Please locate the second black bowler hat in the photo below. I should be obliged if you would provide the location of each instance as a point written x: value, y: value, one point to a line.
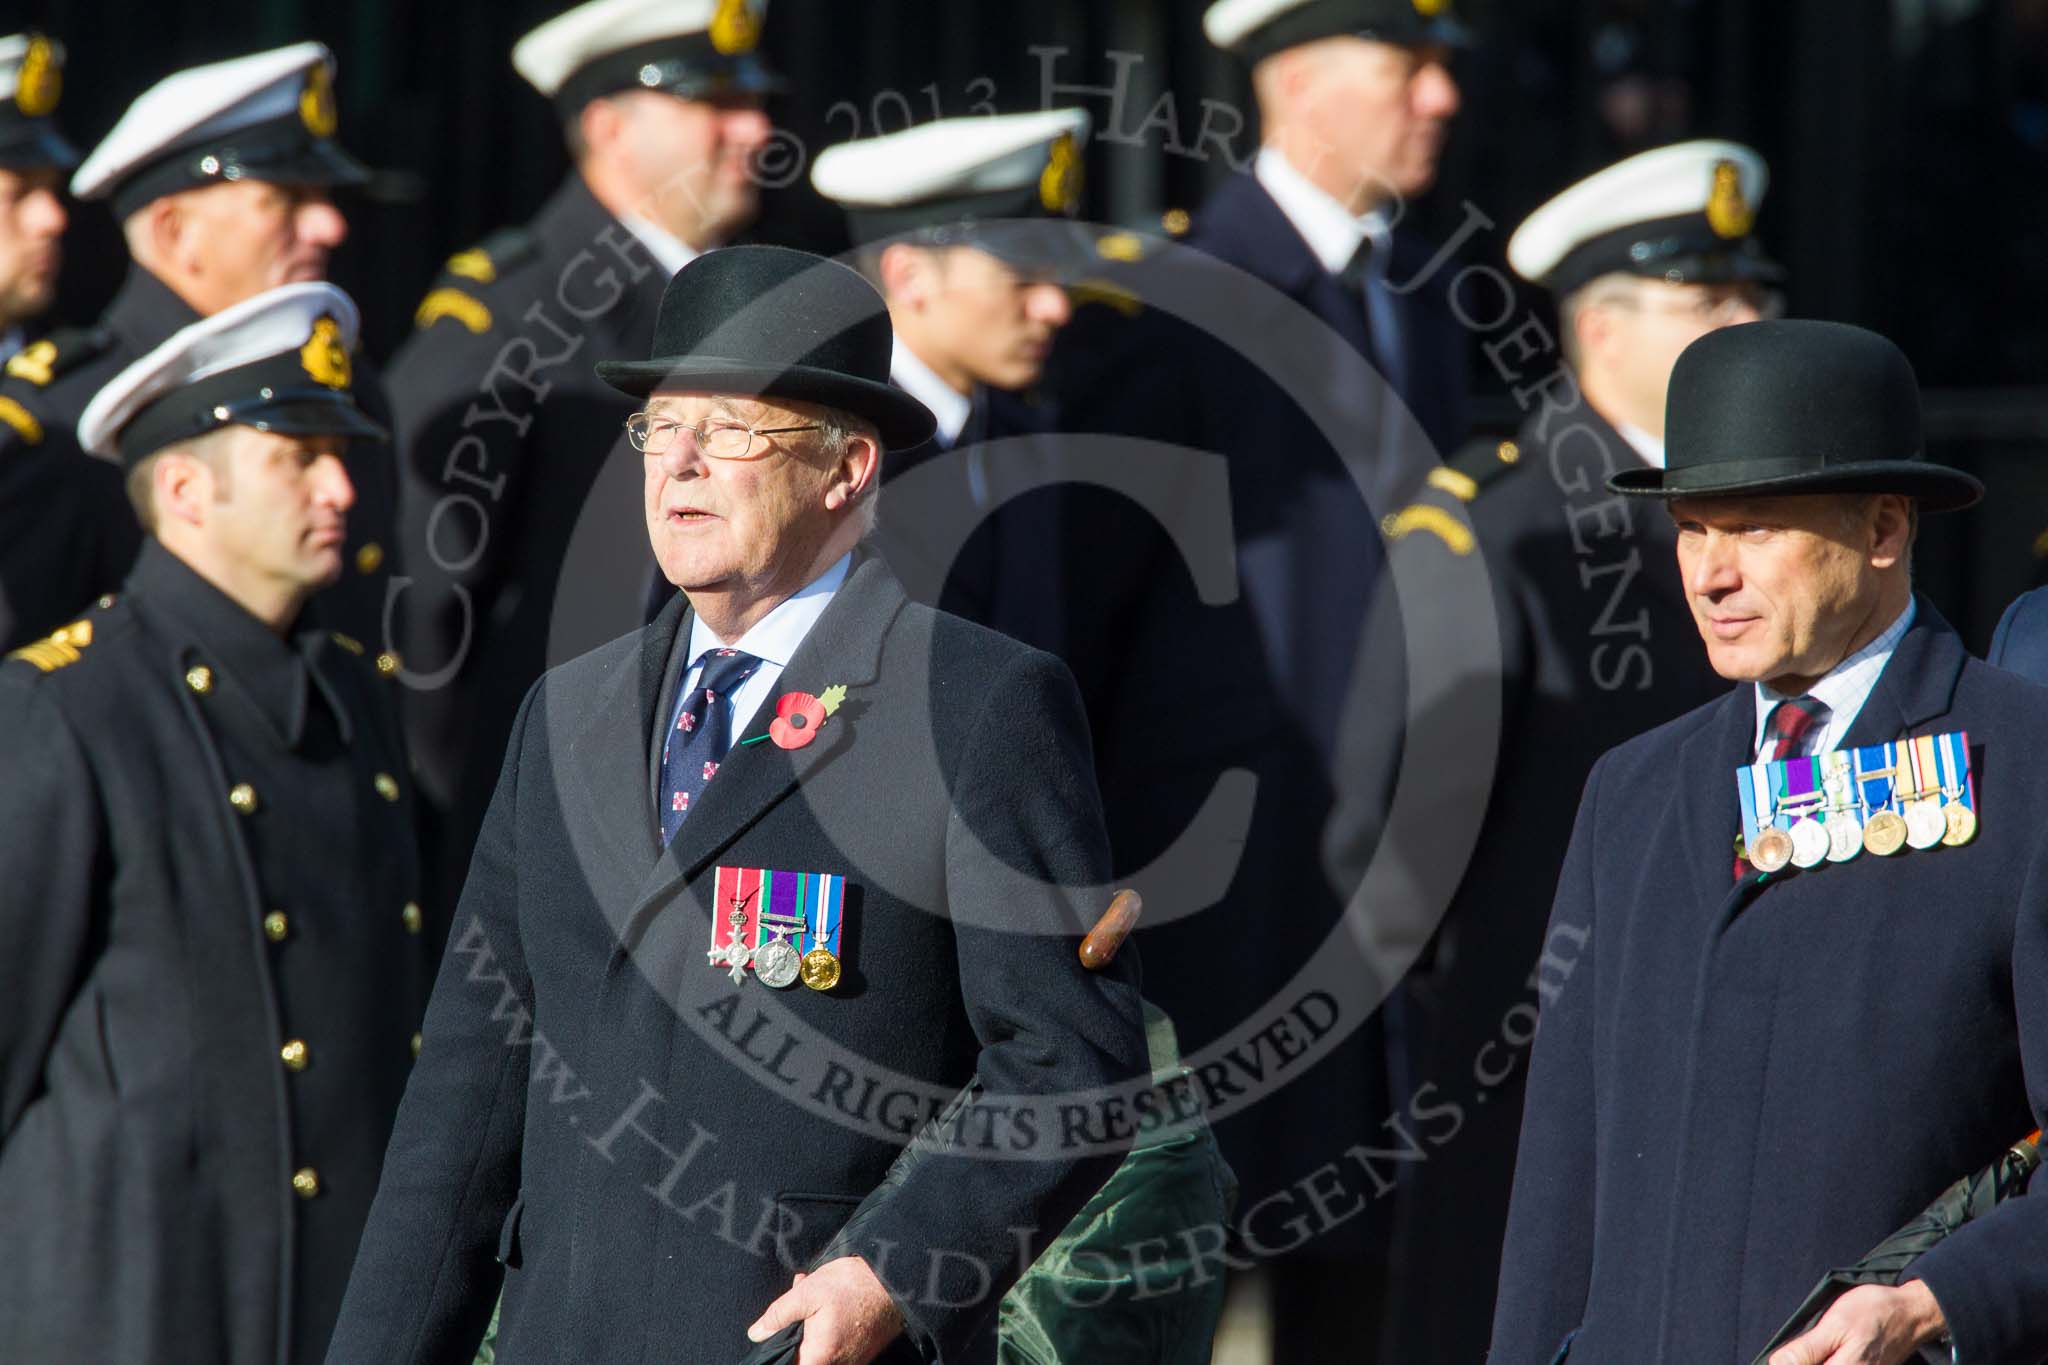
x: 770, y: 322
x: 1796, y: 407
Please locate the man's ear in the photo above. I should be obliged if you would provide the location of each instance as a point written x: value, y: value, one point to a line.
x: 600, y: 123
x: 1891, y: 529
x: 182, y: 487
x: 857, y: 471
x: 165, y: 227
x: 906, y: 274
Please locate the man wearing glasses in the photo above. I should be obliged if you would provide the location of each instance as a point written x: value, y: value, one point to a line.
x: 637, y: 912
x: 1597, y: 646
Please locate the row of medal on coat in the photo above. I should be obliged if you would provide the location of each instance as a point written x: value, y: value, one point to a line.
x: 784, y: 927
x: 1910, y: 793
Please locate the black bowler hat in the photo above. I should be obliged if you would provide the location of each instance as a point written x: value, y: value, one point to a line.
x: 31, y: 79
x: 769, y: 322
x: 1796, y: 407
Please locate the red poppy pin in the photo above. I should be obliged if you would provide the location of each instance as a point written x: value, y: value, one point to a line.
x: 799, y: 716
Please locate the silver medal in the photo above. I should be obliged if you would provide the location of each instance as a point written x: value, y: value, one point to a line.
x: 1809, y: 842
x: 1845, y: 836
x: 776, y: 963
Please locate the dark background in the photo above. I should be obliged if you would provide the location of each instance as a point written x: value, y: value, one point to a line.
x: 1907, y: 141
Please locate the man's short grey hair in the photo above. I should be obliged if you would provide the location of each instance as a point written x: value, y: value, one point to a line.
x: 1614, y: 287
x: 836, y: 427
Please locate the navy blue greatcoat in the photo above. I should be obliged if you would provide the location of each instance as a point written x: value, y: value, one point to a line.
x: 1738, y: 1086
x: 641, y: 1151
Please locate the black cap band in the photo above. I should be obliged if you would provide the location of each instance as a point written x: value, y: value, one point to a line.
x: 33, y: 143
x: 688, y: 66
x: 272, y: 394
x: 1683, y: 249
x: 281, y: 151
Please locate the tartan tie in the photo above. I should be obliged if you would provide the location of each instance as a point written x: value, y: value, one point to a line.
x: 699, y: 736
x: 1789, y: 726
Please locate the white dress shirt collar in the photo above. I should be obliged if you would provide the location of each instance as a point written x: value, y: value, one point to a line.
x: 773, y: 640
x: 1845, y: 688
x: 669, y: 251
x: 1332, y: 231
x: 922, y: 382
x: 1650, y: 448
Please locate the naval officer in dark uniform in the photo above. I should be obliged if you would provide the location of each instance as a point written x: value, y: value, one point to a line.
x: 962, y: 224
x: 213, y: 961
x: 1597, y: 645
x: 221, y: 177
x: 66, y: 535
x: 1754, y: 1071
x: 504, y: 435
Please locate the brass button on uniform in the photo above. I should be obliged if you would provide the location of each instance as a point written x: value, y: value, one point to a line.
x: 369, y: 557
x: 415, y: 1045
x: 412, y: 917
x: 296, y: 1055
x: 106, y: 602
x: 199, y: 678
x: 387, y: 663
x: 276, y: 926
x: 242, y: 797
x: 386, y: 785
x: 306, y: 1182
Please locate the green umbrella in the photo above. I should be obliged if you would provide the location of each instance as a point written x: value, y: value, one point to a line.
x: 1971, y: 1197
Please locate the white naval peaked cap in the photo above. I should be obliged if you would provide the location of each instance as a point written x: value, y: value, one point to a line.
x: 1684, y: 212
x: 279, y: 362
x: 268, y: 116
x: 1256, y: 29
x: 688, y: 48
x: 952, y: 160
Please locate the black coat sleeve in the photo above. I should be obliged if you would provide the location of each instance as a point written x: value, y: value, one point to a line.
x: 1024, y: 802
x: 426, y: 1276
x: 1547, y: 1259
x: 50, y: 862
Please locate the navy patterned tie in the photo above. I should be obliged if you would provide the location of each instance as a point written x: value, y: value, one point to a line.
x: 699, y: 736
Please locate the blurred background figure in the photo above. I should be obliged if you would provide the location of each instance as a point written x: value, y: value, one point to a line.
x: 504, y: 434
x: 221, y: 177
x: 213, y: 958
x: 1597, y: 645
x: 65, y: 532
x: 1326, y: 268
x: 963, y: 225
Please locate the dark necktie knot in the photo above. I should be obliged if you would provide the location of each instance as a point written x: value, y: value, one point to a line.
x: 700, y: 735
x: 1791, y: 726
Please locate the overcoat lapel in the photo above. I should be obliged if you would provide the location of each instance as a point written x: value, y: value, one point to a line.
x: 1713, y: 820
x: 843, y: 648
x: 1916, y: 686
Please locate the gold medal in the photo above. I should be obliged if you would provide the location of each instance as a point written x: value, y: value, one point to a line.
x: 820, y: 970
x: 1885, y: 834
x: 1962, y: 824
x: 1771, y: 851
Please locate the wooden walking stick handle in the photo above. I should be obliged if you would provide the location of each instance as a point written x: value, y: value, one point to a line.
x: 1111, y: 930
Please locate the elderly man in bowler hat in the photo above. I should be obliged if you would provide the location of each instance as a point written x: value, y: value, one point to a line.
x: 917, y: 793
x: 1752, y: 1073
